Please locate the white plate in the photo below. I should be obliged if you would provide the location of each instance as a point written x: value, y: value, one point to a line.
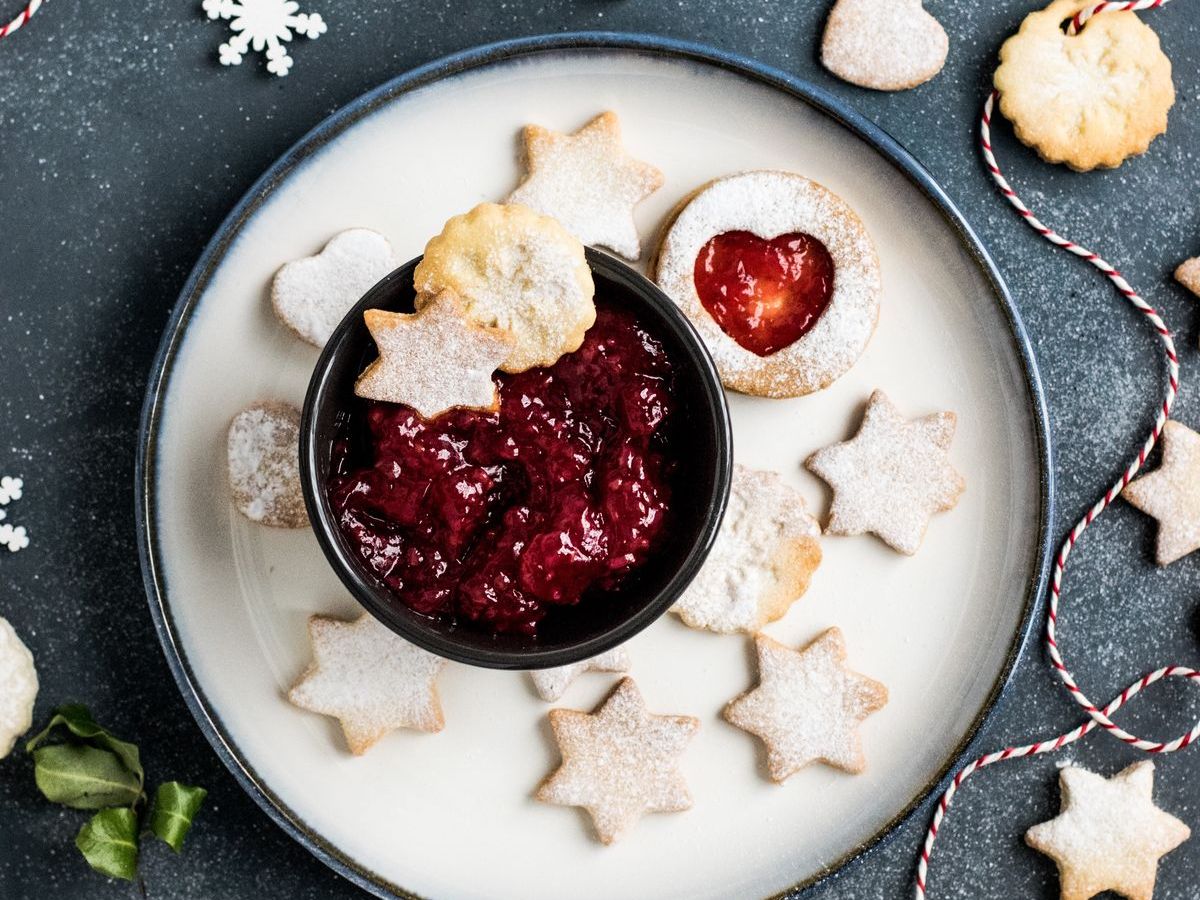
x: 451, y: 815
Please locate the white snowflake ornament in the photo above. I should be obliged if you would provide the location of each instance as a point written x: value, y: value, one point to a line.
x: 13, y: 537
x: 263, y: 25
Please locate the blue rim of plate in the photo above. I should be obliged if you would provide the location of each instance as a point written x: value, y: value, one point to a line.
x: 449, y: 66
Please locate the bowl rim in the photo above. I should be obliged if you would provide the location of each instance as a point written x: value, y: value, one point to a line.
x: 381, y: 603
x: 478, y: 57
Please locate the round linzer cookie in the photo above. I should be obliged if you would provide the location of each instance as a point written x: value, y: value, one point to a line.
x: 778, y: 275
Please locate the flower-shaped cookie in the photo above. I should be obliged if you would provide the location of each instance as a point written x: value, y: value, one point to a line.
x: 1089, y: 100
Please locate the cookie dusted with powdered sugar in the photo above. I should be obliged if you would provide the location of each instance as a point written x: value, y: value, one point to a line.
x: 807, y: 706
x: 885, y: 45
x: 264, y: 464
x: 1109, y: 835
x: 370, y: 679
x: 312, y: 295
x: 587, y: 182
x: 761, y: 562
x: 553, y: 683
x: 778, y: 275
x: 1171, y: 494
x: 620, y: 762
x: 892, y: 476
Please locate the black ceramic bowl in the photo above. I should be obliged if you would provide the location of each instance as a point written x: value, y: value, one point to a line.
x: 597, y: 623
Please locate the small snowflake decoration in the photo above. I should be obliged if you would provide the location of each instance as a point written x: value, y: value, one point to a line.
x: 13, y: 538
x: 263, y: 24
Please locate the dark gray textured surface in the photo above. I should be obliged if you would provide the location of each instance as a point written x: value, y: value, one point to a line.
x: 123, y: 144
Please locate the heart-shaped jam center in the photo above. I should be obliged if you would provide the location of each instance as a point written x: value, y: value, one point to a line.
x: 764, y: 294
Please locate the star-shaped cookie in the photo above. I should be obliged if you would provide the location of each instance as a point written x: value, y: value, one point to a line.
x: 588, y: 182
x: 807, y: 705
x: 1109, y: 835
x: 1171, y: 494
x: 619, y: 762
x: 433, y: 360
x: 370, y: 679
x: 552, y: 683
x: 892, y: 476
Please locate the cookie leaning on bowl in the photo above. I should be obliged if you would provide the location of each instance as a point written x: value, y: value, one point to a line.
x: 773, y: 330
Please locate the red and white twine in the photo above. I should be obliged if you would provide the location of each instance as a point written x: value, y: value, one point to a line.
x: 1097, y: 718
x: 24, y: 16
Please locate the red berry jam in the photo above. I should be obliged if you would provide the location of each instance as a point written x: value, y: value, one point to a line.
x: 494, y: 518
x: 764, y: 294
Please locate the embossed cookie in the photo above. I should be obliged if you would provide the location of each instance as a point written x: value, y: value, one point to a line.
x: 1171, y: 494
x: 312, y: 295
x: 619, y: 762
x: 587, y: 182
x: 892, y: 476
x: 264, y: 464
x: 553, y: 683
x: 517, y: 270
x: 778, y: 275
x: 370, y: 679
x: 762, y: 561
x: 1092, y: 99
x: 807, y: 706
x: 18, y: 687
x: 435, y: 359
x: 1109, y: 835
x: 886, y: 45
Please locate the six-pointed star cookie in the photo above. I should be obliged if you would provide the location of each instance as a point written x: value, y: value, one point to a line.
x: 807, y: 705
x: 891, y: 476
x: 370, y: 679
x: 552, y: 683
x: 588, y: 182
x: 620, y: 762
x: 1109, y: 834
x: 434, y: 359
x: 1171, y: 493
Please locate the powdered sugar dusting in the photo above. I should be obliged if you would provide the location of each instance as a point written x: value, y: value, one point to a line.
x: 768, y: 204
x: 553, y: 683
x: 371, y: 679
x: 888, y: 45
x: 762, y: 560
x: 312, y: 295
x: 264, y: 464
x: 620, y: 762
x: 807, y: 705
x: 434, y: 359
x: 891, y: 476
x: 588, y: 183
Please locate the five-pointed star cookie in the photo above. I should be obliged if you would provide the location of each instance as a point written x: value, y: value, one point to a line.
x: 891, y: 476
x: 370, y: 679
x: 1171, y: 493
x: 1109, y: 834
x: 552, y: 683
x: 433, y: 360
x: 807, y: 705
x: 619, y: 762
x: 588, y: 182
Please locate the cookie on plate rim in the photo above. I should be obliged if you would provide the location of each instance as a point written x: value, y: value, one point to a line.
x: 769, y: 204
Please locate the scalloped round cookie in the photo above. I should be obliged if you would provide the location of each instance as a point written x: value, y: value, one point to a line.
x: 765, y: 207
x: 514, y: 269
x: 1089, y: 100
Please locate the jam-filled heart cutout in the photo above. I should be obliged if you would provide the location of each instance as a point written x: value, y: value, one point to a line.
x: 765, y: 294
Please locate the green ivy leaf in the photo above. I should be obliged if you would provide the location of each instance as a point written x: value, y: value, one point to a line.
x: 175, y: 806
x: 76, y: 718
x: 109, y: 842
x: 84, y: 777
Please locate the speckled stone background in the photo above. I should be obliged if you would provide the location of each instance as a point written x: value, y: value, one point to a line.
x: 123, y: 144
